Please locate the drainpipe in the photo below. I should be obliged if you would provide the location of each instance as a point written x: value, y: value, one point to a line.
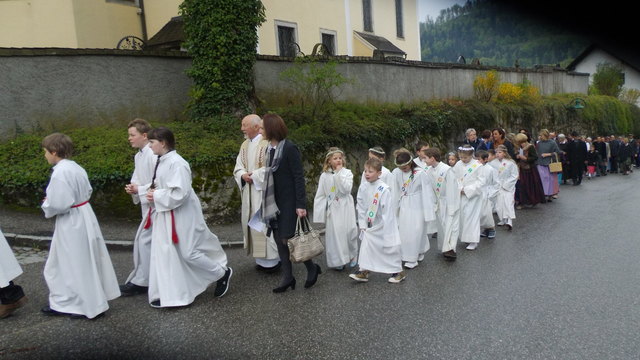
x: 143, y: 20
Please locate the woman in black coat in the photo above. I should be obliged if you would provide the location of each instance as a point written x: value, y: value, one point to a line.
x: 287, y: 191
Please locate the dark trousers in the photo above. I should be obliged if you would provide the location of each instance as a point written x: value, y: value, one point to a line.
x: 287, y: 269
x: 10, y: 294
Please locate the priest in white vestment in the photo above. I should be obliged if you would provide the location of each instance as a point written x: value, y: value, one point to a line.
x: 251, y: 158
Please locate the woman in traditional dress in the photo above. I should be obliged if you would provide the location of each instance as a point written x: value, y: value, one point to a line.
x: 530, y: 189
x: 549, y: 151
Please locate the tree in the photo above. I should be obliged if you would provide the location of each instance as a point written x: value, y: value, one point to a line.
x: 607, y: 80
x: 221, y: 36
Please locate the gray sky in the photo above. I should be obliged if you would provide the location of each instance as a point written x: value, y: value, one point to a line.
x: 433, y: 7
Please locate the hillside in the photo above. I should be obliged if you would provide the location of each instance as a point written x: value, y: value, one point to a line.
x: 496, y: 35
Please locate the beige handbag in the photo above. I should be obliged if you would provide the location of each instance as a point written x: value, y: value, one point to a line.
x: 555, y: 167
x: 306, y: 243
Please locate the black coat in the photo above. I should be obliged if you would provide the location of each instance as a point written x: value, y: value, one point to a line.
x: 289, y: 189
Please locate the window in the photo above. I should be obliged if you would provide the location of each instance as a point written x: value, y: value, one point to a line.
x: 366, y: 15
x: 399, y: 23
x: 286, y: 38
x: 329, y: 41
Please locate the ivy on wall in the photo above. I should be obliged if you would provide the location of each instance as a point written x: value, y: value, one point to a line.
x: 221, y: 36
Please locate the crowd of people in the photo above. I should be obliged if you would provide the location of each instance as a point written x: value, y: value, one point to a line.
x: 458, y: 196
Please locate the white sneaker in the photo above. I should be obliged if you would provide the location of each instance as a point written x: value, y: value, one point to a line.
x: 420, y: 257
x: 410, y: 265
x: 397, y: 277
x: 472, y: 246
x: 500, y: 223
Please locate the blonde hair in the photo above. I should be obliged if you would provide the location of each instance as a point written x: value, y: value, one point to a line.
x: 504, y: 150
x: 521, y: 138
x: 544, y: 133
x: 327, y: 158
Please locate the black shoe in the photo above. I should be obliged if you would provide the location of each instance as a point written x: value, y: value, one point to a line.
x: 269, y: 270
x: 131, y: 289
x: 283, y: 288
x: 223, y: 284
x: 50, y: 312
x: 155, y: 304
x: 310, y: 283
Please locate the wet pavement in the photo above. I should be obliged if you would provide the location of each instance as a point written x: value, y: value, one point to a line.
x: 564, y: 284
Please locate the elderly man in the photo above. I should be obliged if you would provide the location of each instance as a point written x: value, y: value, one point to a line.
x: 471, y: 138
x: 250, y: 158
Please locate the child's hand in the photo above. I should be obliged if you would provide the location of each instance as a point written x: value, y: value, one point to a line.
x: 150, y: 195
x: 131, y: 189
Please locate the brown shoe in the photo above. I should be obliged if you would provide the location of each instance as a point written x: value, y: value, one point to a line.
x: 450, y: 255
x: 7, y: 309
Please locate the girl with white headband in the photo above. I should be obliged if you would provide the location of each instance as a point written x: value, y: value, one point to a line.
x: 334, y: 206
x: 415, y: 207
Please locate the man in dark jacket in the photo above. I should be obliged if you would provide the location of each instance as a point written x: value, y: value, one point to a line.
x: 614, y: 147
x: 577, y: 155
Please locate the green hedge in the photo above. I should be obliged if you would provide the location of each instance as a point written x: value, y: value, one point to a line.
x: 211, y: 147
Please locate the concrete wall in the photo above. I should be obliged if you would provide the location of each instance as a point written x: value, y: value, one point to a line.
x: 377, y: 81
x: 42, y: 88
x: 39, y: 89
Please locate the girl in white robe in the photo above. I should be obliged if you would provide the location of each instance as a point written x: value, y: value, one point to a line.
x: 380, y: 247
x: 78, y: 271
x: 415, y: 207
x: 186, y: 257
x: 470, y: 183
x: 333, y: 205
x: 447, y: 202
x: 11, y: 295
x: 506, y: 179
x: 144, y: 161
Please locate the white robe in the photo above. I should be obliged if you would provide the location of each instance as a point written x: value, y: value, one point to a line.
x: 507, y: 178
x: 180, y: 272
x: 9, y: 267
x: 415, y: 209
x: 333, y: 205
x: 447, y: 205
x: 380, y: 247
x: 249, y: 160
x: 386, y: 177
x: 78, y: 271
x: 145, y: 162
x: 489, y: 194
x: 470, y: 181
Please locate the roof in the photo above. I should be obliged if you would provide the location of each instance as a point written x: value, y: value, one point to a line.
x: 170, y: 37
x: 625, y: 55
x: 380, y: 43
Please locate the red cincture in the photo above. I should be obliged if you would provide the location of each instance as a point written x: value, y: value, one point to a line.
x: 148, y: 223
x: 174, y: 234
x: 84, y: 203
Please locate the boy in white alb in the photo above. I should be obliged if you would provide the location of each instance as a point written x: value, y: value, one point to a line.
x: 145, y: 162
x: 447, y: 203
x: 11, y: 295
x: 378, y: 153
x: 380, y: 247
x: 470, y: 183
x: 489, y: 193
x: 78, y: 271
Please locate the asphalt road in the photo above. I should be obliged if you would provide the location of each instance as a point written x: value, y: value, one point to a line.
x: 564, y: 284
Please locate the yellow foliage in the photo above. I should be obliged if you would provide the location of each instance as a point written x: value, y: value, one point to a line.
x: 509, y: 93
x: 485, y: 87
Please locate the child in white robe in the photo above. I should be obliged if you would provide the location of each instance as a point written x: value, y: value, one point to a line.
x: 186, y: 257
x: 506, y: 179
x: 78, y: 271
x: 380, y: 248
x: 431, y: 227
x: 333, y: 205
x: 447, y: 203
x: 145, y: 162
x: 489, y: 193
x: 470, y: 183
x: 11, y: 295
x: 415, y: 207
x: 378, y: 153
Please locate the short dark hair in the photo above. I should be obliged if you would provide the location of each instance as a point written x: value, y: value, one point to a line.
x: 486, y: 134
x: 163, y: 134
x: 433, y: 152
x: 58, y: 143
x: 421, y: 144
x: 482, y: 154
x: 274, y: 127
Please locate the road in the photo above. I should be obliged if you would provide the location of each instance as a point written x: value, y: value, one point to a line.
x: 564, y: 284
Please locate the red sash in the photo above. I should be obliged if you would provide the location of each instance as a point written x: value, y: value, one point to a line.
x: 78, y: 205
x: 174, y: 234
